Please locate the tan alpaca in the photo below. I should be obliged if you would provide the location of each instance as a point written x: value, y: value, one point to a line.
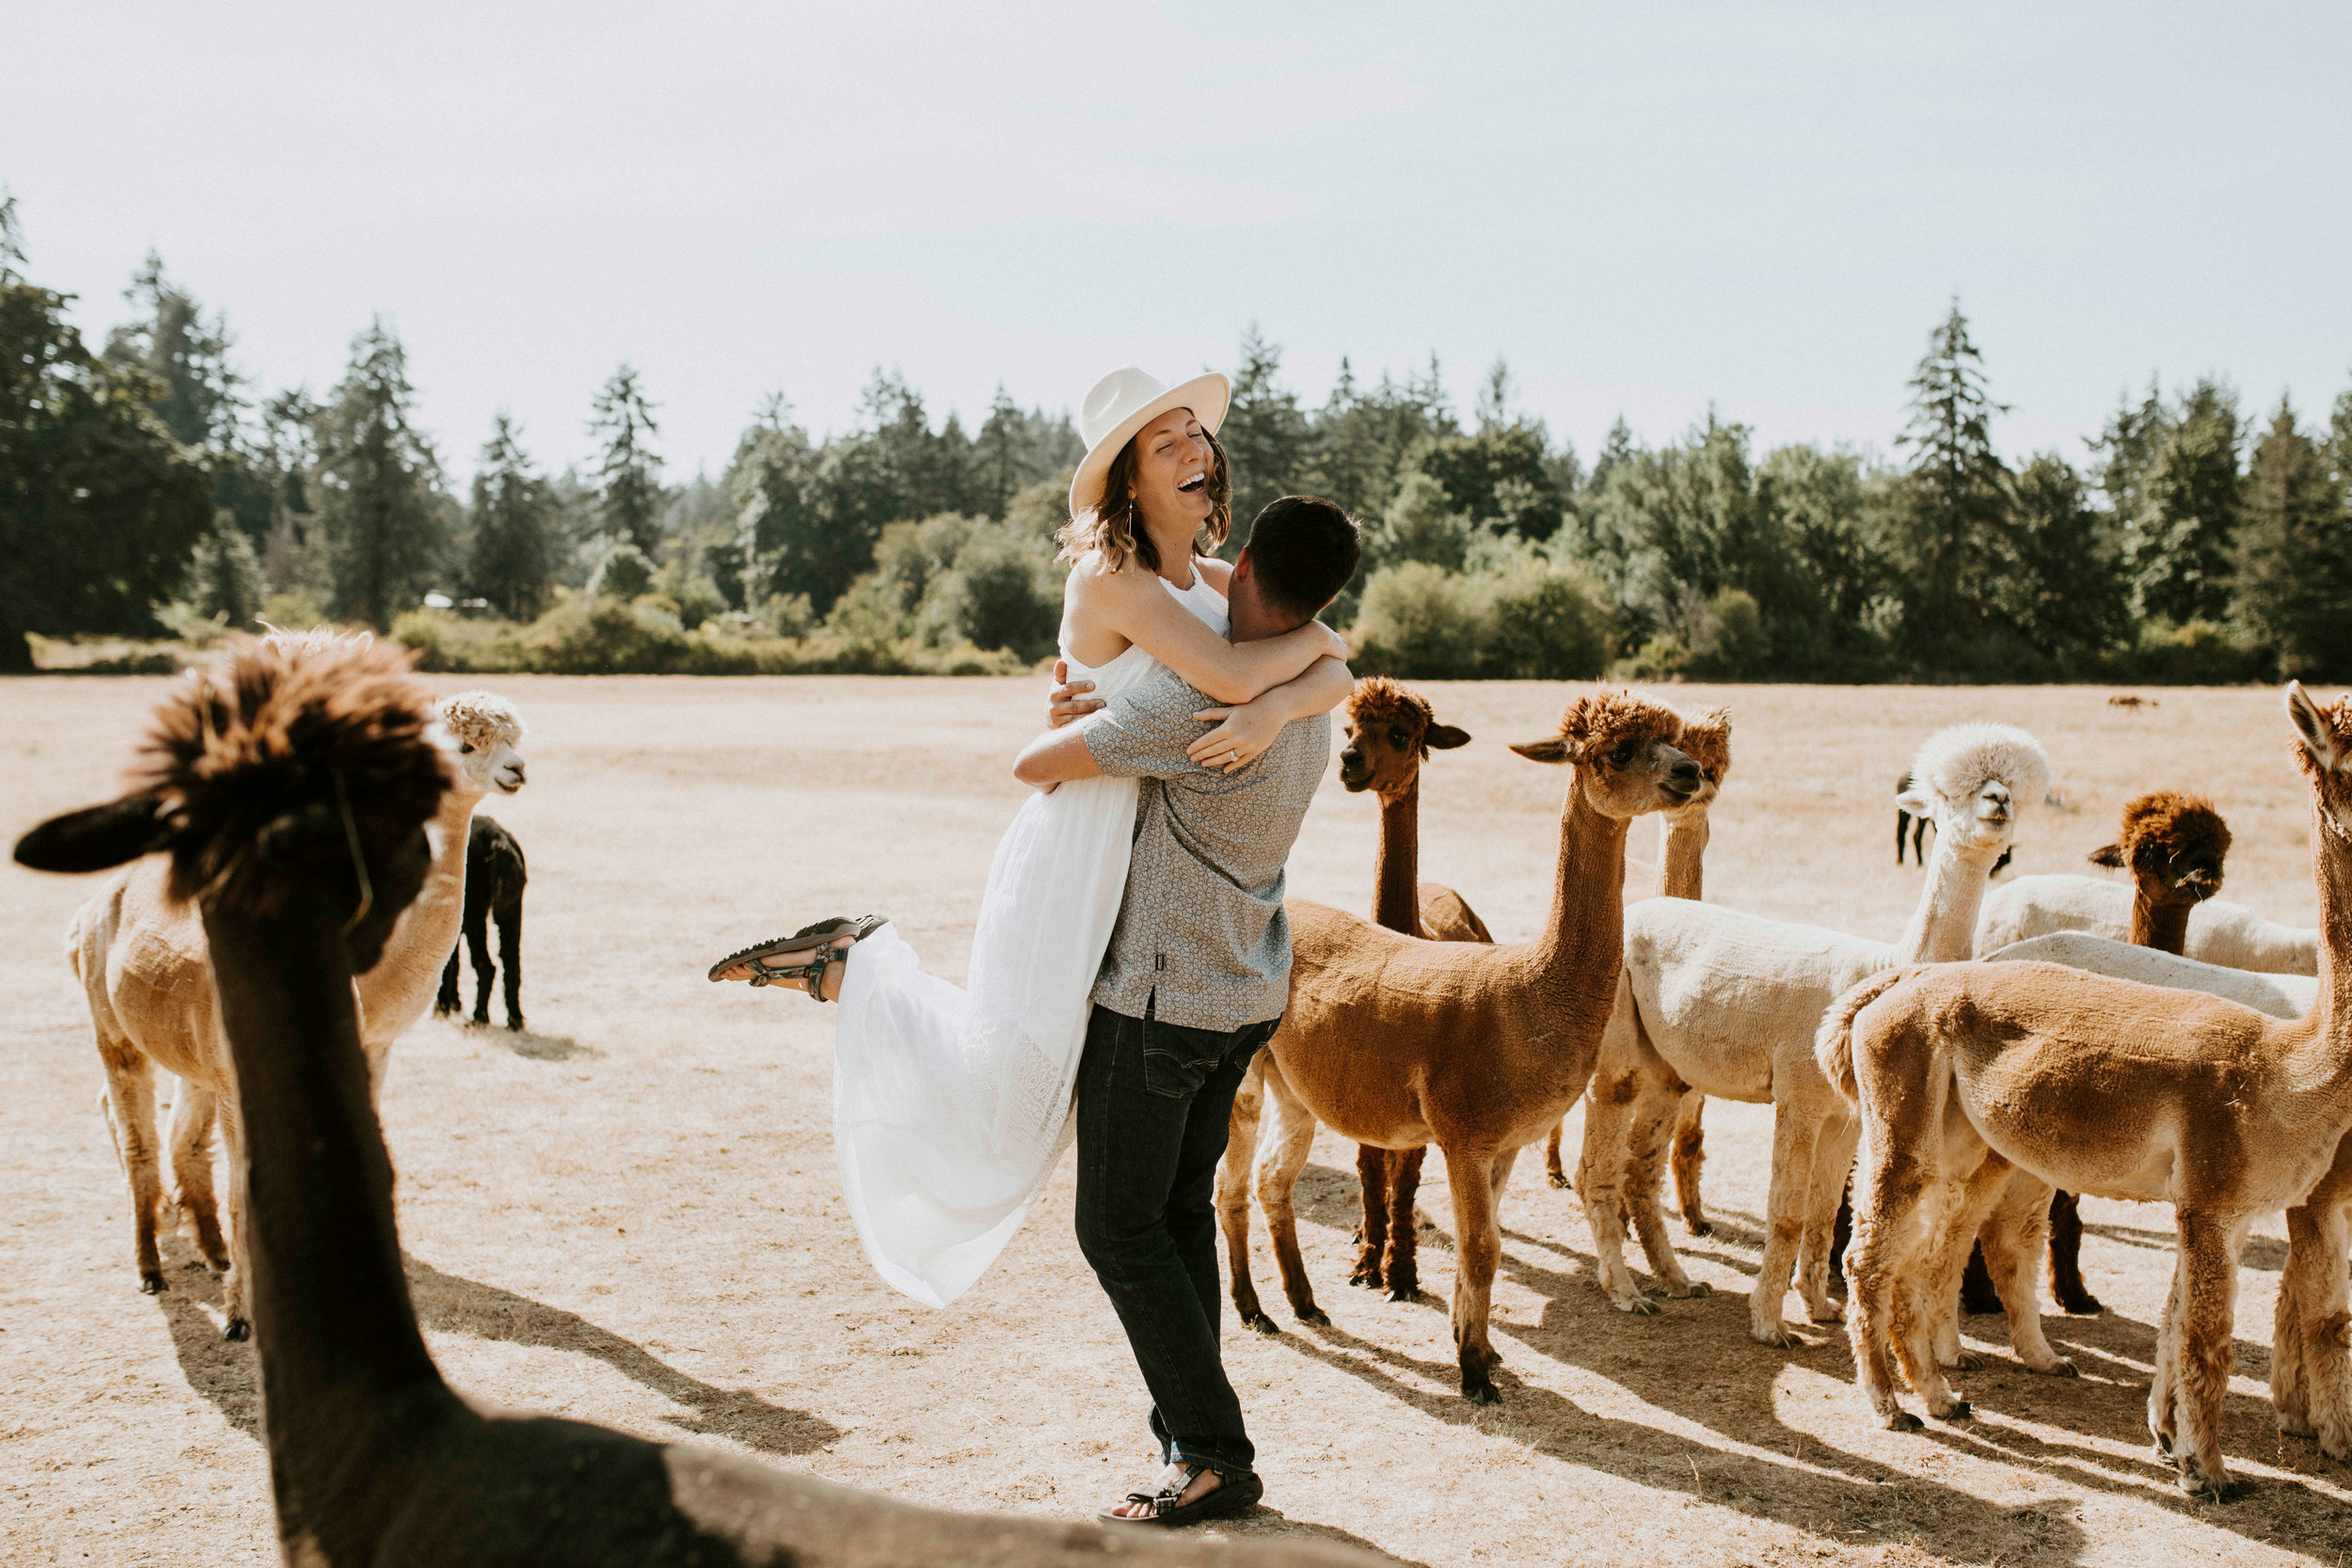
x: 1965, y: 1074
x: 140, y: 958
x: 1682, y: 849
x: 1479, y: 1049
x: 1390, y: 733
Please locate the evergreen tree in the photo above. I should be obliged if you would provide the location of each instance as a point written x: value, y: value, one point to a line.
x: 629, y: 471
x: 513, y: 561
x: 1265, y: 435
x: 224, y: 579
x: 1362, y: 442
x: 1000, y: 456
x: 2178, y: 539
x: 2294, y: 553
x: 378, y: 484
x: 1955, y: 502
x: 2059, y: 584
x: 99, y: 505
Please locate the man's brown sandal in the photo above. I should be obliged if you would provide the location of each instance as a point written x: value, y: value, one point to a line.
x: 1236, y: 1492
x: 816, y: 940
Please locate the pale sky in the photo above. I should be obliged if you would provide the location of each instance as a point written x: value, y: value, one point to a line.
x: 1644, y: 209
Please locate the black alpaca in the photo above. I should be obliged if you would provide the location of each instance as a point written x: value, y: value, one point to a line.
x: 495, y: 874
x: 1917, y: 827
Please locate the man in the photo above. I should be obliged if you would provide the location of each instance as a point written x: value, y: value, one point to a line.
x: 1195, y: 980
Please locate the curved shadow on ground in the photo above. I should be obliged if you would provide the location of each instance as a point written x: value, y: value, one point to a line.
x: 454, y: 1305
x: 524, y: 1043
x: 1271, y: 1524
x: 221, y: 1370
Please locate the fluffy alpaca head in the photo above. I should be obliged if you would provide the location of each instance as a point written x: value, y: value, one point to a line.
x: 280, y: 757
x: 1391, y: 732
x: 1624, y: 748
x: 1973, y: 780
x: 1707, y: 740
x: 2325, y: 755
x: 482, y: 732
x: 2174, y: 846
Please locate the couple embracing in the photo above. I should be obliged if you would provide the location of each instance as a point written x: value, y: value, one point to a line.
x: 1131, y: 955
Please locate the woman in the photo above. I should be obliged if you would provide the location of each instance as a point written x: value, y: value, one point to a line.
x: 950, y: 1105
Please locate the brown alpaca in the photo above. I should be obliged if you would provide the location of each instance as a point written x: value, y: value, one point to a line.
x: 1390, y: 733
x: 1681, y: 858
x: 2174, y: 846
x: 291, y: 789
x: 1988, y: 1083
x: 1477, y: 1048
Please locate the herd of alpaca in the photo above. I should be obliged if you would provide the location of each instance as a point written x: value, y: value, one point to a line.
x: 305, y: 852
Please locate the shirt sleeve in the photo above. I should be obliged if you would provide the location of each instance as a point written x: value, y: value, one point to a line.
x: 1143, y: 734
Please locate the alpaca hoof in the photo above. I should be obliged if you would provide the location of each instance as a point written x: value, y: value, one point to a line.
x: 1369, y: 1278
x: 1964, y: 1360
x: 515, y: 1024
x: 1405, y: 1290
x: 2082, y: 1306
x: 2295, y: 1425
x: 1638, y: 1303
x: 1260, y: 1321
x: 2060, y: 1368
x: 2212, y: 1491
x: 237, y: 1329
x: 2164, y: 1447
x: 1481, y: 1393
x: 1774, y: 1335
x: 152, y: 1282
x: 1826, y: 1312
x: 1691, y: 1288
x: 1559, y: 1178
x: 1310, y: 1313
x: 1904, y: 1420
x: 1961, y: 1411
x: 1697, y: 1225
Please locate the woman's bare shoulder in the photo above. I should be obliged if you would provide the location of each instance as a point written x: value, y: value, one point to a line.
x: 1217, y: 573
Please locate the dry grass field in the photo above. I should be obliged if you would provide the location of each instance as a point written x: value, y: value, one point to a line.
x: 630, y: 1213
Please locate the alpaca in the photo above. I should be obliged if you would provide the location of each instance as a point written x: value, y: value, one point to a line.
x: 1727, y: 1002
x: 2174, y: 846
x: 1918, y: 826
x: 140, y: 958
x: 1390, y: 733
x: 1476, y: 1047
x: 1682, y: 848
x: 2131, y: 703
x: 2218, y: 932
x: 291, y: 788
x: 1982, y: 1085
x: 495, y: 878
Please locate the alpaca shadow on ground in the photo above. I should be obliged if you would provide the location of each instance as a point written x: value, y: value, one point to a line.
x: 454, y: 1305
x: 2267, y: 1253
x: 222, y: 1370
x: 539, y: 1048
x: 1824, y: 1484
x: 1262, y: 1522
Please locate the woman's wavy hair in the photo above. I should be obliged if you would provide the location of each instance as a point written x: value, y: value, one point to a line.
x: 1114, y: 528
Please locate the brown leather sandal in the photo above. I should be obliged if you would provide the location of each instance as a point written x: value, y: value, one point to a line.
x: 813, y: 943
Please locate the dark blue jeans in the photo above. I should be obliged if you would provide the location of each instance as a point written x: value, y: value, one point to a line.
x: 1153, y: 1105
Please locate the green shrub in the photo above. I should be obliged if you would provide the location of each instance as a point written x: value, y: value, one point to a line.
x: 2197, y: 652
x: 1661, y: 658
x: 1001, y: 592
x: 1545, y: 623
x: 1420, y: 620
x: 1522, y: 618
x: 290, y: 609
x: 447, y: 643
x: 624, y: 574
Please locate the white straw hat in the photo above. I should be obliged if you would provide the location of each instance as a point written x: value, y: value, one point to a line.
x: 1123, y: 403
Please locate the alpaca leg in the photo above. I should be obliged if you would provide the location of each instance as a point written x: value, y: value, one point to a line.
x: 1553, y: 1171
x: 130, y: 1106
x: 2012, y: 1242
x: 1403, y: 1265
x: 1610, y: 1108
x: 1232, y: 1194
x: 1795, y: 1132
x: 448, y: 1001
x: 1690, y: 1154
x: 1477, y: 1249
x: 1968, y: 1203
x: 2163, y: 1382
x: 511, y: 952
x: 1372, y: 1176
x: 2066, y: 1256
x: 1833, y: 1173
x: 485, y: 971
x: 2209, y: 1253
x: 1649, y: 1142
x: 234, y: 1291
x: 1978, y: 1295
x: 2311, y: 1383
x: 193, y: 1117
x: 1279, y: 1161
x: 1893, y: 1186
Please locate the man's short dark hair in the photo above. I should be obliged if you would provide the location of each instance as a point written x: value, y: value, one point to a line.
x: 1304, y: 549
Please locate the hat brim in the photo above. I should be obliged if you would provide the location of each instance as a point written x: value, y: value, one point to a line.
x: 1205, y: 395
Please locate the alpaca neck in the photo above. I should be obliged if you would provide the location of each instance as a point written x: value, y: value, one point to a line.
x: 1585, y: 937
x: 2163, y: 927
x: 429, y: 927
x: 332, y: 1321
x: 2332, y: 867
x: 1396, y: 867
x: 1680, y: 856
x: 1942, y: 928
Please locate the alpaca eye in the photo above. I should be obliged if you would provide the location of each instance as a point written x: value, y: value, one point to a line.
x: 465, y: 748
x: 1396, y: 738
x: 1621, y: 757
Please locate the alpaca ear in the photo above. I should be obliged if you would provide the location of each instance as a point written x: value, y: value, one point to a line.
x: 2319, y: 736
x: 1917, y: 802
x: 97, y: 838
x: 1558, y: 749
x: 2110, y: 855
x: 1445, y: 738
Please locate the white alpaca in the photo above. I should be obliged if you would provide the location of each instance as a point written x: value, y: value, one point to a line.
x: 1728, y: 1003
x: 2220, y: 932
x: 141, y: 960
x: 2280, y: 995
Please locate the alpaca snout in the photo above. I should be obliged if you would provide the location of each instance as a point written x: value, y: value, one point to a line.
x: 1354, y: 772
x: 510, y: 778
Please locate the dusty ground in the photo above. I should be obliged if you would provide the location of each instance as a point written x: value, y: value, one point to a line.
x: 630, y: 1213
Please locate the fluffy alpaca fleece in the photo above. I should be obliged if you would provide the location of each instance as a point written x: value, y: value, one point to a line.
x: 1981, y: 1086
x: 1728, y: 1003
x: 2220, y: 932
x: 140, y: 952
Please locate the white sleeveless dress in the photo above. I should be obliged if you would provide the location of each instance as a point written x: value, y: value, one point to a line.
x: 950, y: 1106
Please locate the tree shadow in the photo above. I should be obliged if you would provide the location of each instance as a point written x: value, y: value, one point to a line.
x: 454, y: 1305
x: 2267, y: 1253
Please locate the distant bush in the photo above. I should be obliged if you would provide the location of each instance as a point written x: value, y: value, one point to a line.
x: 2197, y: 652
x: 1524, y: 618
